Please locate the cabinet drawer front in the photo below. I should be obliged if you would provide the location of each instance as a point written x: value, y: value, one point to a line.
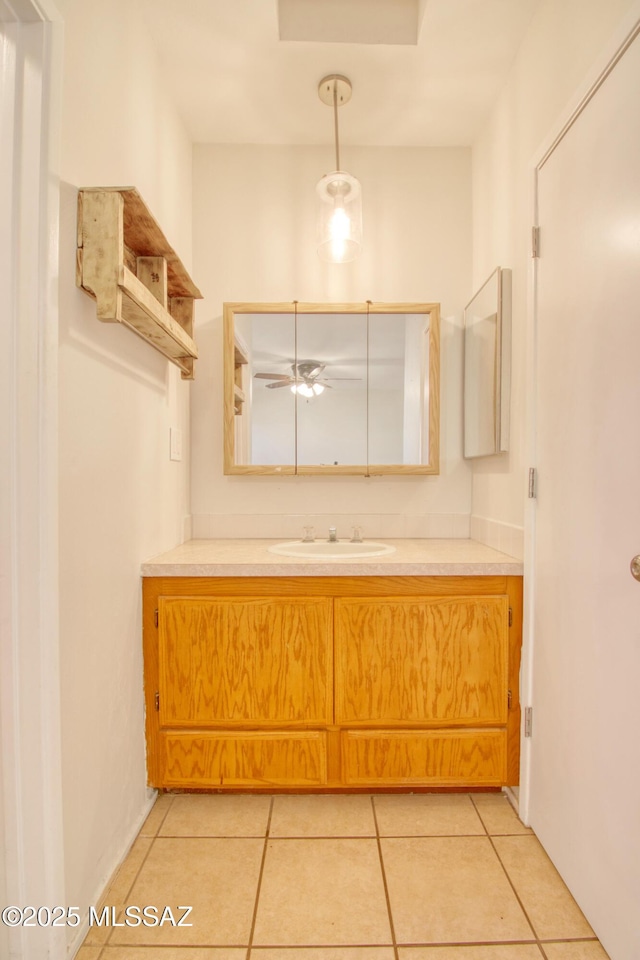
x: 461, y: 757
x: 265, y: 660
x: 245, y: 759
x: 406, y: 661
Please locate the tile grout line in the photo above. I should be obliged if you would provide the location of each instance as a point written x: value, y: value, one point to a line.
x: 137, y: 873
x: 262, y: 862
x: 510, y: 881
x: 334, y: 946
x: 384, y: 881
x: 219, y: 836
x: 161, y: 824
x: 440, y: 944
x: 172, y: 797
x: 389, y: 836
x: 540, y: 942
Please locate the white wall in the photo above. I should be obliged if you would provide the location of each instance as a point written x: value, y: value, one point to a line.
x: 254, y: 233
x: 556, y: 55
x: 121, y: 499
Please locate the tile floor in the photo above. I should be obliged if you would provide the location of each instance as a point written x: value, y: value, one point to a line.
x: 387, y: 877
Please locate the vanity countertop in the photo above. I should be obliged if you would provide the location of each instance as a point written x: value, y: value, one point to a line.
x: 412, y: 558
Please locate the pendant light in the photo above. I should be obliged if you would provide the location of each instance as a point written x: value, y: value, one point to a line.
x: 339, y: 224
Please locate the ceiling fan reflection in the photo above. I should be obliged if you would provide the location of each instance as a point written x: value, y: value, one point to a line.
x: 304, y: 378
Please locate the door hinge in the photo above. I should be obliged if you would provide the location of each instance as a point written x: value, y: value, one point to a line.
x: 155, y: 617
x: 532, y: 483
x: 509, y: 699
x: 510, y: 617
x: 535, y: 242
x: 528, y: 721
x: 157, y: 699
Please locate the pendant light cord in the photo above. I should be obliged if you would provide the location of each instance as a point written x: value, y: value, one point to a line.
x: 295, y: 373
x: 367, y: 474
x: 335, y: 122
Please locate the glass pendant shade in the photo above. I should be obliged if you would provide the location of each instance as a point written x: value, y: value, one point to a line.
x: 339, y: 217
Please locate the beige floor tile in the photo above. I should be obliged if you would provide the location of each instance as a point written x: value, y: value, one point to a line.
x: 97, y: 936
x: 174, y: 953
x: 426, y: 815
x: 524, y: 951
x: 322, y: 953
x: 202, y: 815
x: 322, y: 892
x: 549, y: 905
x: 116, y: 894
x: 591, y: 950
x: 88, y: 953
x: 128, y: 870
x: 322, y: 816
x: 450, y: 890
x: 217, y: 877
x: 157, y: 814
x: 497, y: 814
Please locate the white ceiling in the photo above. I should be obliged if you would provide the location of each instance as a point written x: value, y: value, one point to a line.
x: 235, y: 81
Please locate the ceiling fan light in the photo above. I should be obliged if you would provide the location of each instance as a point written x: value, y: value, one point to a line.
x: 308, y: 390
x: 303, y: 389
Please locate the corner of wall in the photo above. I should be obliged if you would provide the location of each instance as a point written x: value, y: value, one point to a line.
x: 506, y: 537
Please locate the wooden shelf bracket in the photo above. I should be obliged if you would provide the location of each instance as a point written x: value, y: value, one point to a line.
x: 126, y: 264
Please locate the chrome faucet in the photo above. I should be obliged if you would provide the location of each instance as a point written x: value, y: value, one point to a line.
x: 333, y: 535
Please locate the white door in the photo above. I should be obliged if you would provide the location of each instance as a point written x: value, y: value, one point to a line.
x: 31, y: 819
x: 585, y: 747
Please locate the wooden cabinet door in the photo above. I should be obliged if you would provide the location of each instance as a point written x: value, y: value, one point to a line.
x: 245, y: 758
x: 440, y: 757
x: 240, y: 662
x: 407, y: 661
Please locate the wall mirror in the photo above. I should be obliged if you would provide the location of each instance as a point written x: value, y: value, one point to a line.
x: 487, y: 367
x: 316, y: 388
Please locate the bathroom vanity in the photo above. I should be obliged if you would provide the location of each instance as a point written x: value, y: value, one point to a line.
x: 271, y: 672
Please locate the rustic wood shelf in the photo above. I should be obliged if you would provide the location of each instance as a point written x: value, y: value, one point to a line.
x: 126, y: 264
x: 241, y: 359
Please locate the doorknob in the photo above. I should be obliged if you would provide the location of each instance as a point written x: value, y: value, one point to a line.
x: 635, y: 567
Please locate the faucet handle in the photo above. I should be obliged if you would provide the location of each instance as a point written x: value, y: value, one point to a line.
x: 308, y: 535
x: 357, y: 535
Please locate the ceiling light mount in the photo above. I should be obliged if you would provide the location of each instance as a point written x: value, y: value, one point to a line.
x: 335, y: 85
x: 339, y: 195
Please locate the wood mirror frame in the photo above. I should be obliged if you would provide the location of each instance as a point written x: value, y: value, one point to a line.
x: 419, y: 346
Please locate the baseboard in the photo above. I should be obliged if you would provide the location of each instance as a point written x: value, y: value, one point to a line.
x: 82, y: 929
x: 513, y: 796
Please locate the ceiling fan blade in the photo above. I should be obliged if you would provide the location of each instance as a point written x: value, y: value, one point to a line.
x: 272, y: 376
x: 279, y: 383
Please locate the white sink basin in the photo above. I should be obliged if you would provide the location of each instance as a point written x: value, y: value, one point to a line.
x: 324, y: 550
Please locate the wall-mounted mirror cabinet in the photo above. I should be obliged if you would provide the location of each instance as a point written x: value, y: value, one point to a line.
x: 316, y: 388
x: 487, y: 367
